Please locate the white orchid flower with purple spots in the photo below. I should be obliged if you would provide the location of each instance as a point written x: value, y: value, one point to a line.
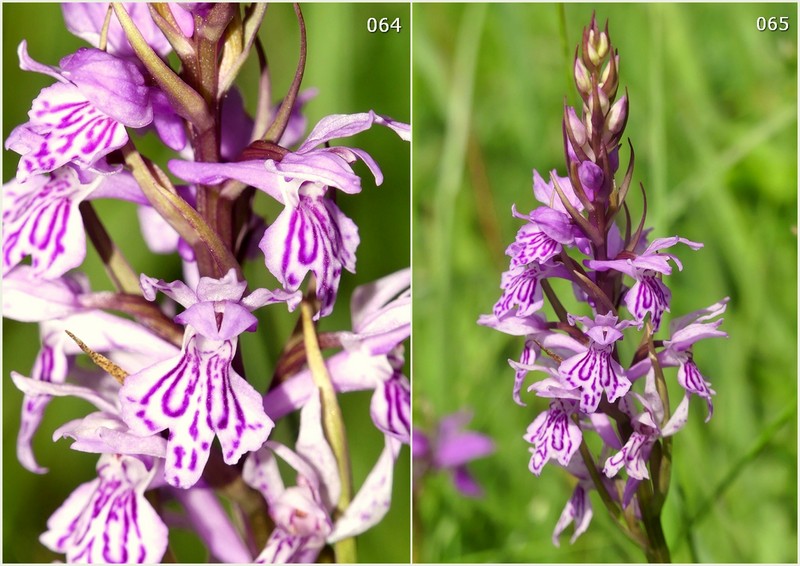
x: 302, y: 513
x: 578, y: 509
x: 104, y: 432
x: 311, y: 234
x: 197, y: 394
x: 82, y: 118
x: 109, y: 520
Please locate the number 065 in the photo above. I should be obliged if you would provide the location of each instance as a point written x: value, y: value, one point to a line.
x: 772, y: 24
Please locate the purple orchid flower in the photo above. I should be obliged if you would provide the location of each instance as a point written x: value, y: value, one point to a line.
x: 578, y: 509
x: 542, y: 238
x: 554, y: 435
x: 531, y: 360
x: 648, y: 294
x: 590, y: 391
x: 371, y: 360
x: 595, y: 371
x: 546, y: 194
x: 82, y: 118
x: 109, y: 520
x: 311, y: 234
x: 685, y: 332
x: 451, y: 448
x: 197, y: 394
x: 522, y: 289
x: 85, y: 20
x: 41, y: 217
x: 59, y: 305
x: 647, y: 428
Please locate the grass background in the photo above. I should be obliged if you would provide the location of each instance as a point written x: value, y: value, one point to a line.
x: 354, y: 71
x: 713, y: 119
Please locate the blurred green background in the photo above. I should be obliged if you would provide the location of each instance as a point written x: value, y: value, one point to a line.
x: 713, y: 119
x: 354, y: 71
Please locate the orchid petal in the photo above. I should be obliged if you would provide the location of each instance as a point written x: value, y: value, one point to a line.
x: 29, y: 298
x: 312, y: 445
x: 249, y: 172
x: 372, y: 501
x: 41, y: 219
x: 106, y: 433
x: 346, y: 125
x: 108, y: 520
x: 64, y: 128
x: 465, y: 483
x: 114, y: 86
x: 577, y: 510
x: 86, y: 20
x: 316, y: 236
x: 390, y: 408
x: 196, y: 395
x: 210, y: 521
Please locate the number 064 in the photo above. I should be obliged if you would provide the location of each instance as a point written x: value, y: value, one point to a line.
x: 382, y: 25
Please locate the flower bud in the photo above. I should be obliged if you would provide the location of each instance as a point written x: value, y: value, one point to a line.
x: 604, y: 102
x: 591, y: 177
x: 575, y: 126
x: 583, y: 79
x: 609, y: 81
x: 617, y: 116
x: 613, y: 159
x: 596, y: 44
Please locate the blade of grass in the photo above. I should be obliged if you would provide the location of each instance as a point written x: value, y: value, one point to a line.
x: 735, y: 471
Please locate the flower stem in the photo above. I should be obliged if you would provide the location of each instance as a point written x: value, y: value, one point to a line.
x: 656, y: 549
x: 181, y: 216
x: 332, y: 424
x: 117, y: 267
